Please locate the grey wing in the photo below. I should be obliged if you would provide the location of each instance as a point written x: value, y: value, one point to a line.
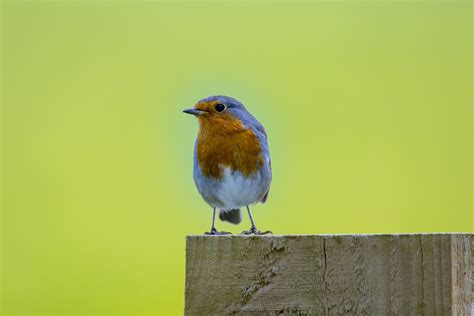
x: 264, y: 198
x: 259, y: 127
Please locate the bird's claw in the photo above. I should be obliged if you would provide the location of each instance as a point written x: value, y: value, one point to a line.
x: 254, y: 231
x: 214, y: 232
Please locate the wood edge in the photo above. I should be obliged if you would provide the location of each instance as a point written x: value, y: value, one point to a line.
x: 461, y: 278
x: 329, y: 235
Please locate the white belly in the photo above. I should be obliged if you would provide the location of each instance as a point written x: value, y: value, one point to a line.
x: 236, y: 191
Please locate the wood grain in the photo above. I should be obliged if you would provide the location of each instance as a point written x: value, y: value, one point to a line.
x: 428, y: 274
x: 472, y: 275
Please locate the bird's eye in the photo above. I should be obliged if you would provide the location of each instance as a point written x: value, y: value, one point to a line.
x: 220, y: 107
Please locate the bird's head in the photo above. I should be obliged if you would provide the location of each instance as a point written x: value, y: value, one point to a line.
x: 219, y: 111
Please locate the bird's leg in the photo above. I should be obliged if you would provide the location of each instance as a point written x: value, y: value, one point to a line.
x: 213, y: 228
x: 253, y: 229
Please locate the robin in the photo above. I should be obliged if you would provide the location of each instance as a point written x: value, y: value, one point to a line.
x: 232, y: 166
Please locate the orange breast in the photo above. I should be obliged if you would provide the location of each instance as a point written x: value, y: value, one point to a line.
x: 223, y: 141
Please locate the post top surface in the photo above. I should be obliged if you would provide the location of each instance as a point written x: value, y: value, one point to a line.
x: 331, y: 235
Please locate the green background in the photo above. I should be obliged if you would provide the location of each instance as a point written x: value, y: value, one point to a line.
x: 367, y: 105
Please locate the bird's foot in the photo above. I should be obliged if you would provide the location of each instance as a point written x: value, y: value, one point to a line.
x: 214, y: 232
x: 254, y: 231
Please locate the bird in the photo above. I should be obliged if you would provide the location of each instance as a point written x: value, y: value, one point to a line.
x: 232, y: 166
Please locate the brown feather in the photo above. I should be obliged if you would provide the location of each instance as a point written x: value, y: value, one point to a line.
x: 224, y: 141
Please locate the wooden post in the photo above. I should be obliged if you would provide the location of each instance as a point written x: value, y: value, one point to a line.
x: 412, y: 274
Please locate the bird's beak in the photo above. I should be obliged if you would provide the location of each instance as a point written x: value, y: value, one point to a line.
x: 194, y: 111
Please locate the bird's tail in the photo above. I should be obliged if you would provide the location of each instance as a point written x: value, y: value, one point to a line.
x: 231, y: 216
